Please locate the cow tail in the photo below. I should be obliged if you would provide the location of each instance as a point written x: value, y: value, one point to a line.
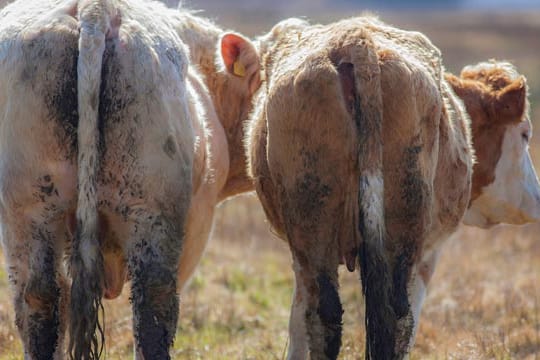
x: 85, y: 330
x: 367, y: 111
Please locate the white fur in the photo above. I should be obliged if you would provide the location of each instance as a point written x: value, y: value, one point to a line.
x: 298, y: 339
x: 94, y: 25
x: 372, y: 203
x: 32, y: 150
x: 514, y: 196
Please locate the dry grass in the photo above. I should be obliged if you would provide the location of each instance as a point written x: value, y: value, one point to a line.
x: 483, y: 303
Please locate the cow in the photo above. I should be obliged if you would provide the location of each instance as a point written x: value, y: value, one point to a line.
x: 219, y: 170
x: 360, y: 148
x: 505, y: 185
x: 149, y: 155
x: 226, y: 97
x: 97, y: 148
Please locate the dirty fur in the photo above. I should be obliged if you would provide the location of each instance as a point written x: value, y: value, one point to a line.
x: 330, y: 312
x: 107, y: 166
x: 86, y: 332
x: 375, y: 271
x: 187, y: 167
x: 299, y: 58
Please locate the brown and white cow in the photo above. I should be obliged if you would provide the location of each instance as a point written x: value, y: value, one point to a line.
x: 505, y: 185
x: 361, y: 152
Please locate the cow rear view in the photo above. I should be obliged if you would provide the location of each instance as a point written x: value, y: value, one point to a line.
x: 317, y: 159
x: 353, y: 105
x: 97, y: 150
x: 347, y: 148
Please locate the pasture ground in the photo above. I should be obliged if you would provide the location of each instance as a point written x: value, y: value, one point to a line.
x: 483, y: 302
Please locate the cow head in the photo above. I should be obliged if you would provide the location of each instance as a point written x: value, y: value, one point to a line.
x: 505, y: 186
x: 232, y: 91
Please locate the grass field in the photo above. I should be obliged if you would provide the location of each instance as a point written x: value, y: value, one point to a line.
x: 484, y: 300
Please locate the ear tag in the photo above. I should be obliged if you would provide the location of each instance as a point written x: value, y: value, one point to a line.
x: 239, y: 69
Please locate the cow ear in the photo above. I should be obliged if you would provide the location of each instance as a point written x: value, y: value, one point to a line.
x: 238, y: 54
x: 511, y: 100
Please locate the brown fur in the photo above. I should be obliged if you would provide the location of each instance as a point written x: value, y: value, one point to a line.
x: 231, y: 95
x: 301, y: 150
x: 302, y: 147
x: 232, y: 112
x: 493, y: 100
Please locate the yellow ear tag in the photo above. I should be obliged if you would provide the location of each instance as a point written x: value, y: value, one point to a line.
x: 239, y: 69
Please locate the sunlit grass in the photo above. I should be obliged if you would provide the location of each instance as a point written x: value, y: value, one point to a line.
x: 483, y: 302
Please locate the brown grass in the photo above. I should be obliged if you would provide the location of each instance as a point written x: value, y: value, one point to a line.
x: 483, y: 303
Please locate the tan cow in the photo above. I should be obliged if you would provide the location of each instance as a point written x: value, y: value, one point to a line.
x: 361, y: 151
x: 111, y: 152
x: 226, y: 98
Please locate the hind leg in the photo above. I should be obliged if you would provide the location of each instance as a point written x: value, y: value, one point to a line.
x: 63, y: 311
x: 153, y: 262
x: 33, y: 256
x: 316, y: 315
x: 420, y: 275
x: 298, y: 346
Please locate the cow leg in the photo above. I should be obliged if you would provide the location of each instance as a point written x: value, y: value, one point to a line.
x: 63, y: 311
x: 316, y: 315
x: 33, y: 256
x: 410, y: 285
x: 421, y: 274
x: 408, y: 223
x: 153, y: 262
x: 298, y: 346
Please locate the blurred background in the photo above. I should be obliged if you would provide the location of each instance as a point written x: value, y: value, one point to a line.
x: 484, y: 300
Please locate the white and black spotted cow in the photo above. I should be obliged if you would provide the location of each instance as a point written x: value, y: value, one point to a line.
x: 96, y: 158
